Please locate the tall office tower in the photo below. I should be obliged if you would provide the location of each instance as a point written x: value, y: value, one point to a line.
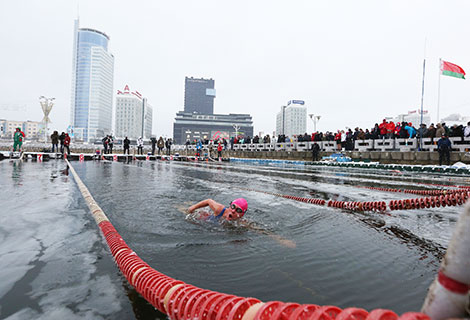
x: 133, y: 115
x: 292, y: 119
x: 92, y: 84
x: 199, y: 95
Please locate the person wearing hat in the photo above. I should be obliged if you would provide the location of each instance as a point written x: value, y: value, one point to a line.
x: 234, y: 211
x: 443, y: 147
x: 18, y: 139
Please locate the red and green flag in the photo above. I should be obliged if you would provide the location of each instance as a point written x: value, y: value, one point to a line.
x: 453, y: 70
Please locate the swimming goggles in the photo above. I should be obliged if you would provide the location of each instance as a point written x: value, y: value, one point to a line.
x: 237, y: 209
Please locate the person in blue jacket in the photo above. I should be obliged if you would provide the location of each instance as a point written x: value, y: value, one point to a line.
x: 198, y: 148
x: 411, y: 131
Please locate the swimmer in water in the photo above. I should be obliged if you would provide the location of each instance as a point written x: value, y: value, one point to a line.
x: 234, y: 211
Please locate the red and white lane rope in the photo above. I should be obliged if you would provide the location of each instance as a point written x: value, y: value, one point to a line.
x: 420, y: 192
x: 181, y: 301
x: 451, y: 199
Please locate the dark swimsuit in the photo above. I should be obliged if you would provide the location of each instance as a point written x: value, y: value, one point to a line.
x: 217, y: 217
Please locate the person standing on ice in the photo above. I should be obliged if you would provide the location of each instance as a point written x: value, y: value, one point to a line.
x: 18, y: 139
x: 140, y: 146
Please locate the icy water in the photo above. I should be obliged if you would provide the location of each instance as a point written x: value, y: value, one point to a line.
x: 55, y: 264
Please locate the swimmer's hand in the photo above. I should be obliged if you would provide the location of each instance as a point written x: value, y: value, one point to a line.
x: 190, y: 209
x: 283, y: 241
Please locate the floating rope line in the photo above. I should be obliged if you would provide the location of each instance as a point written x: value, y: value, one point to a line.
x: 454, y: 198
x: 181, y: 301
x: 421, y: 192
x: 415, y: 168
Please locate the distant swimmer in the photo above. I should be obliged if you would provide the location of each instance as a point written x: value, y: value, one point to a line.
x: 234, y: 211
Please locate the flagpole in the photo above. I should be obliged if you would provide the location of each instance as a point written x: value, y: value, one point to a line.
x: 439, y: 89
x: 422, y: 96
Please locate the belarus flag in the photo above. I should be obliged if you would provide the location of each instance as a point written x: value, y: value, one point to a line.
x: 453, y: 70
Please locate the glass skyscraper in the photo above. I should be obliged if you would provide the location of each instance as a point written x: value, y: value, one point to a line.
x: 92, y: 84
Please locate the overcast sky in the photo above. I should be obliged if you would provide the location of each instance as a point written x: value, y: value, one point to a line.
x: 353, y: 62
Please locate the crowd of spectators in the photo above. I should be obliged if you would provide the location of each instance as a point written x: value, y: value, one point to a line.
x: 384, y: 130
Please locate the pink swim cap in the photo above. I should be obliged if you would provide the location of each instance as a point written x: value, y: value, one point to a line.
x: 241, y: 202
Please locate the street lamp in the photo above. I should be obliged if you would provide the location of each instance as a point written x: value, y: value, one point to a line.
x: 46, y: 105
x: 314, y: 118
x: 236, y: 127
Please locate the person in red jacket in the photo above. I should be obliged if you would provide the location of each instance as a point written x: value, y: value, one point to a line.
x: 383, y: 128
x: 219, y: 150
x: 338, y: 140
x: 390, y: 129
x: 67, y: 143
x: 397, y: 129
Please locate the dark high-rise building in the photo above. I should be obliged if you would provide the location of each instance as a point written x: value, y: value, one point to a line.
x: 199, y: 95
x: 191, y: 126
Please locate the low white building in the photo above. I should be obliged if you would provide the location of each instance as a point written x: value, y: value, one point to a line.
x: 292, y: 119
x: 414, y: 116
x: 31, y: 129
x: 133, y: 115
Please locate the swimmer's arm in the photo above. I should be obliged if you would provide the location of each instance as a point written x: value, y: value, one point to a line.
x: 215, y: 206
x: 283, y: 241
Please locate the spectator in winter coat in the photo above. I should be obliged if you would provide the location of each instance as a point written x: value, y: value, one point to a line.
x: 126, y: 144
x: 456, y: 131
x: 411, y: 131
x: 422, y: 131
x: 315, y: 151
x: 55, y: 141
x: 61, y: 139
x: 466, y: 131
x: 160, y: 145
x: 375, y: 133
x: 390, y: 130
x: 168, y: 144
x: 67, y: 143
x: 383, y: 128
x: 431, y: 132
x: 361, y: 135
x: 443, y: 147
x: 397, y: 130
x: 153, y: 140
x: 18, y: 139
x: 446, y: 128
x: 440, y: 131
x: 105, y: 144
x: 140, y: 146
x: 110, y: 144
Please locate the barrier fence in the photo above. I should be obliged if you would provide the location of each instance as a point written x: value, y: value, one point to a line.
x: 461, y: 144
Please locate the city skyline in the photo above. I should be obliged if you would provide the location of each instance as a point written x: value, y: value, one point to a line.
x: 353, y: 64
